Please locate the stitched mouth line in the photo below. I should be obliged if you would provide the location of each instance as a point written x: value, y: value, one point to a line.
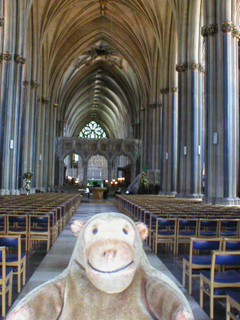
x: 109, y: 272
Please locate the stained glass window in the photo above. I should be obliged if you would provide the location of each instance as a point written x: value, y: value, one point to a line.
x: 93, y: 131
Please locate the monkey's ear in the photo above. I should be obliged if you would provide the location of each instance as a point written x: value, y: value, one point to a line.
x: 76, y: 227
x: 142, y: 229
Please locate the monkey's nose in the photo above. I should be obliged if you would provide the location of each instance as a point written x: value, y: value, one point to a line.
x: 110, y: 253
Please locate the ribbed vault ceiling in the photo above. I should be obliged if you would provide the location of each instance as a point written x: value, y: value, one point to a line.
x: 99, y: 56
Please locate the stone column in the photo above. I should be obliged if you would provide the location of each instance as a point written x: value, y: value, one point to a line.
x: 61, y: 172
x: 173, y: 140
x: 157, y: 165
x: 32, y: 137
x: 149, y: 140
x: 7, y: 105
x: 165, y: 137
x: 133, y: 171
x: 143, y: 155
x: 85, y: 169
x: 110, y: 165
x: 222, y: 137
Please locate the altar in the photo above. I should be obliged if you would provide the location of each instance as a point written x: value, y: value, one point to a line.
x: 97, y: 192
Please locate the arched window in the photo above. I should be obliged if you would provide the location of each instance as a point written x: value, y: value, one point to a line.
x: 93, y: 131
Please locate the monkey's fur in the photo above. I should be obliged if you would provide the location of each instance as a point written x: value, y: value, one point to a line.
x: 108, y: 278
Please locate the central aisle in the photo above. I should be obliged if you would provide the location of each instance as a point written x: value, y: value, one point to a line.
x: 59, y: 255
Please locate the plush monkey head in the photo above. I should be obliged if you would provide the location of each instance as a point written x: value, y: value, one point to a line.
x: 109, y: 247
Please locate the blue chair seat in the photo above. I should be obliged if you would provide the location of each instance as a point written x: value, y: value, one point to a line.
x: 201, y: 260
x: 37, y: 230
x: 230, y: 276
x: 187, y: 233
x: 223, y: 291
x: 208, y: 233
x: 228, y: 233
x: 8, y: 270
x: 17, y: 229
x: 14, y: 257
x: 165, y: 233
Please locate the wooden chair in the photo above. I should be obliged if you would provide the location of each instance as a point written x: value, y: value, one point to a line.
x: 193, y: 263
x: 15, y: 260
x: 229, y: 228
x: 18, y: 225
x: 231, y: 244
x: 208, y: 228
x: 216, y: 284
x: 6, y: 280
x: 186, y: 228
x: 39, y: 229
x: 233, y: 301
x: 165, y: 232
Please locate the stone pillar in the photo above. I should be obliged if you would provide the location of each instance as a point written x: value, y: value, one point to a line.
x: 173, y: 140
x: 8, y: 70
x: 157, y: 165
x: 61, y: 172
x: 189, y: 118
x: 149, y: 140
x: 85, y: 169
x: 222, y: 137
x: 133, y: 171
x: 143, y: 155
x: 110, y: 165
x: 165, y: 137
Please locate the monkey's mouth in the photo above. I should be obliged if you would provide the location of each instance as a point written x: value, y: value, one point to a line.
x: 109, y: 272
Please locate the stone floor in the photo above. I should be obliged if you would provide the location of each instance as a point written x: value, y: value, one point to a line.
x: 59, y: 255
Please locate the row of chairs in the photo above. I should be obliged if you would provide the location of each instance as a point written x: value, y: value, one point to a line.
x: 208, y: 260
x: 38, y: 227
x: 177, y: 231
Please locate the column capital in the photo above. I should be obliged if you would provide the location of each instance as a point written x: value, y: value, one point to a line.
x: 164, y: 91
x: 1, y: 21
x: 35, y: 84
x: 153, y: 105
x: 7, y: 56
x: 236, y: 32
x: 194, y: 66
x: 45, y: 101
x: 181, y: 67
x: 174, y: 89
x: 20, y: 59
x: 227, y: 27
x: 210, y: 30
x: 25, y: 82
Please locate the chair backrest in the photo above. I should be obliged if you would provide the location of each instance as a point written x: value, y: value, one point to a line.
x: 224, y: 259
x: 206, y: 244
x: 166, y: 222
x: 208, y: 223
x: 10, y: 241
x: 233, y: 223
x: 187, y: 223
x: 231, y: 244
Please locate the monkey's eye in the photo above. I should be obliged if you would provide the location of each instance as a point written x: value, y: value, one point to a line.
x: 95, y: 230
x: 124, y: 231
